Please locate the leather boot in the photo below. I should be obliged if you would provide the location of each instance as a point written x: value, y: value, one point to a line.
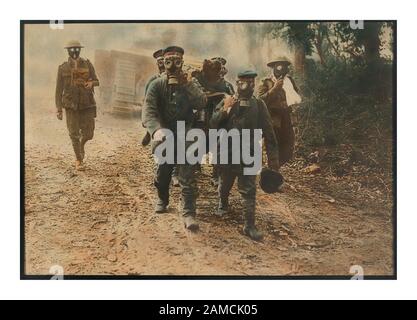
x: 161, y: 206
x: 252, y: 232
x: 250, y: 229
x: 190, y: 223
x: 162, y: 202
x: 189, y: 212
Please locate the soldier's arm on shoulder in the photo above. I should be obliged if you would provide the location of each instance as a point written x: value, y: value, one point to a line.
x: 93, y: 75
x: 231, y: 88
x: 219, y: 116
x: 59, y: 90
x: 263, y: 92
x: 149, y: 82
x: 271, y: 142
x: 196, y: 94
x: 150, y: 111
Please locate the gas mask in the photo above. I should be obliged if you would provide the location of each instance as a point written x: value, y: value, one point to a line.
x: 74, y: 52
x: 223, y: 72
x: 245, y: 88
x: 280, y: 71
x: 173, y: 67
x: 160, y: 64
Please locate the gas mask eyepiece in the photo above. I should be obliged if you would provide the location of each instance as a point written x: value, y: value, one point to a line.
x: 280, y: 71
x: 173, y: 67
x: 173, y: 63
x: 160, y: 64
x: 242, y: 85
x: 74, y: 52
x: 223, y: 72
x: 245, y: 88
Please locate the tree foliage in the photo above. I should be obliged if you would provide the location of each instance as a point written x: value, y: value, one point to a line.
x: 346, y: 83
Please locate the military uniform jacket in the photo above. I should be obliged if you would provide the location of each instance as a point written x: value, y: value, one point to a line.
x: 275, y: 99
x: 70, y: 91
x: 155, y: 76
x: 166, y: 104
x: 221, y: 86
x: 229, y: 87
x: 255, y: 116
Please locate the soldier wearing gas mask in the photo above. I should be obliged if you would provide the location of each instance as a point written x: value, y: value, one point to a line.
x: 159, y: 57
x: 215, y: 88
x: 172, y: 98
x: 272, y: 92
x: 223, y: 73
x: 244, y: 111
x: 75, y: 93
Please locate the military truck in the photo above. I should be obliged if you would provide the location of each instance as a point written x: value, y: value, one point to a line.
x: 123, y: 76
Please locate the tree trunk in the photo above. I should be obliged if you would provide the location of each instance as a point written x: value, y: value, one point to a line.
x: 371, y: 42
x: 300, y: 60
x: 319, y: 47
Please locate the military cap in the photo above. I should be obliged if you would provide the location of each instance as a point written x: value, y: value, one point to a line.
x: 173, y: 50
x: 222, y: 60
x: 158, y: 53
x: 247, y: 74
x: 278, y: 60
x: 73, y: 44
x: 270, y: 180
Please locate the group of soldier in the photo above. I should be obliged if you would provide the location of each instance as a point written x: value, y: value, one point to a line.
x: 201, y: 99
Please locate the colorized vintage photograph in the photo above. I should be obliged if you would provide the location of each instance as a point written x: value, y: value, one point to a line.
x: 207, y: 149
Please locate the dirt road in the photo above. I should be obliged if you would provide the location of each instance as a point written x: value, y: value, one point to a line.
x: 101, y: 221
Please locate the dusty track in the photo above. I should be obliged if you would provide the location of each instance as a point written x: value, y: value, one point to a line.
x: 101, y: 222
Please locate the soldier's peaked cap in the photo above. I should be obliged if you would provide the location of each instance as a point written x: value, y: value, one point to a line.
x: 73, y: 44
x: 247, y: 74
x: 158, y: 53
x: 173, y: 50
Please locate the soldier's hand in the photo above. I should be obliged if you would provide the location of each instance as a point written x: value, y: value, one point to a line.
x: 278, y: 84
x: 184, y: 78
x: 159, y: 135
x: 229, y: 102
x: 59, y: 115
x: 88, y: 84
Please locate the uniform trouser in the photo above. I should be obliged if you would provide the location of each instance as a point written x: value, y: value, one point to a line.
x: 80, y: 124
x: 284, y: 133
x: 246, y: 187
x: 186, y: 178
